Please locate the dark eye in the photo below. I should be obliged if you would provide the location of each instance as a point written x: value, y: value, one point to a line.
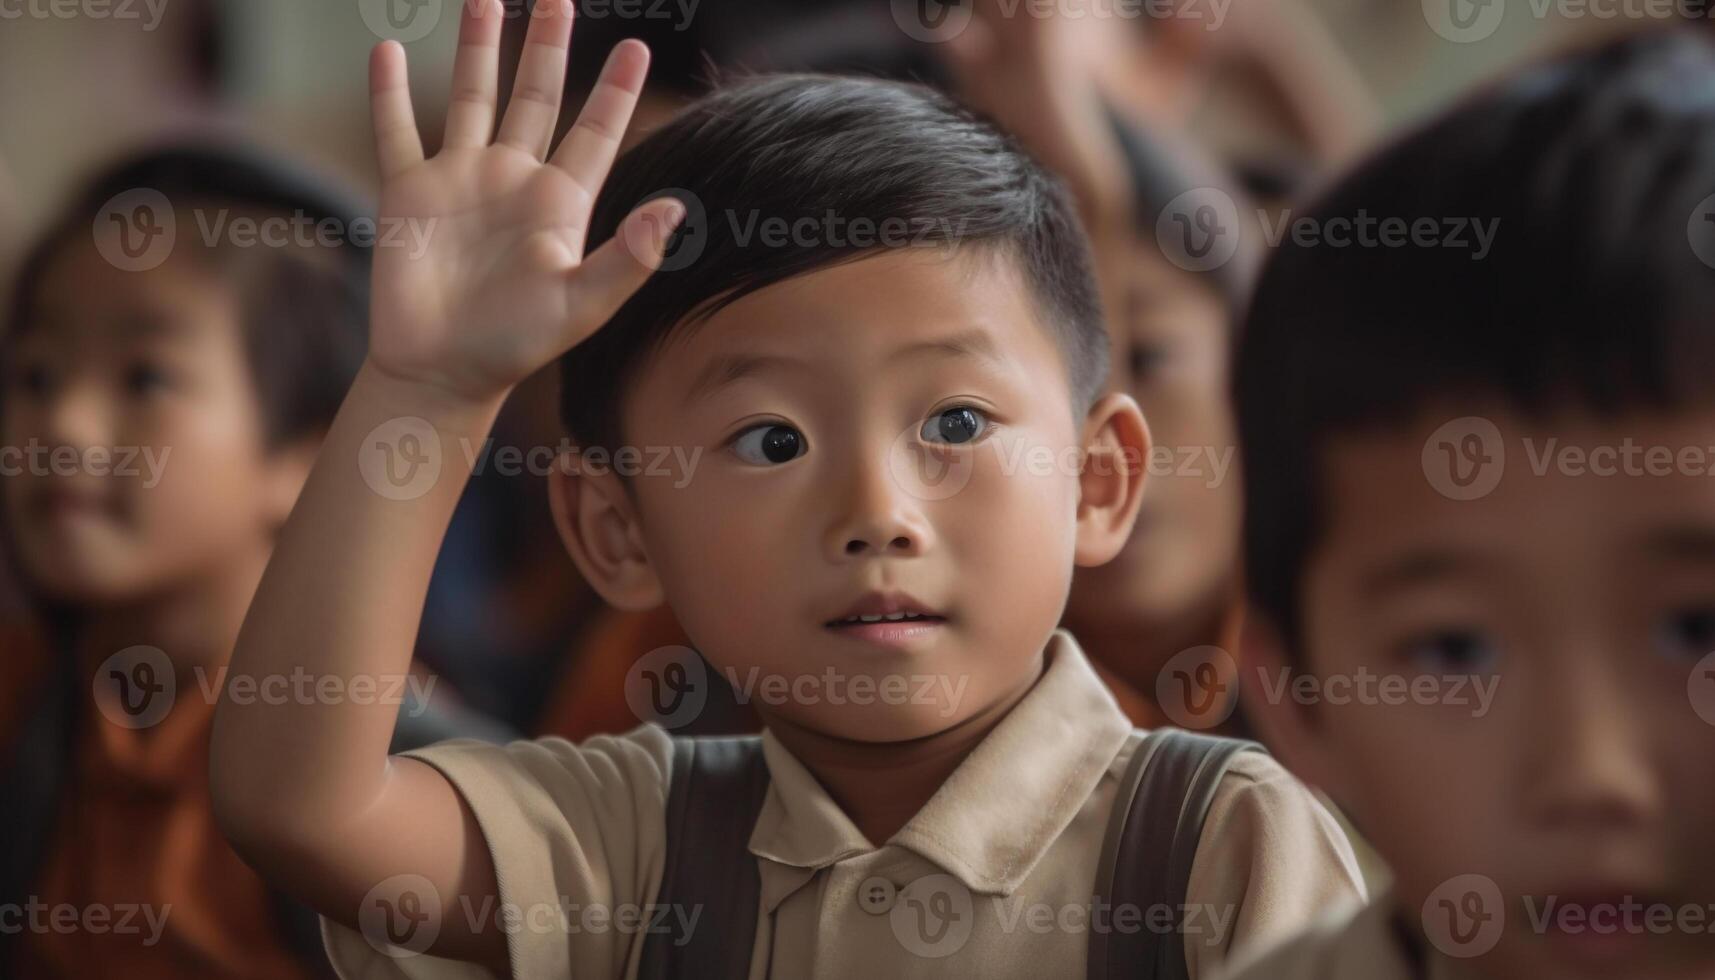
x: 1688, y: 633
x: 772, y: 443
x: 31, y: 379
x: 1143, y: 360
x: 144, y: 379
x: 955, y: 425
x: 1452, y: 652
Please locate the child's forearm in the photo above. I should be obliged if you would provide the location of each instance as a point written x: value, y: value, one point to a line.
x: 340, y: 603
x: 501, y: 287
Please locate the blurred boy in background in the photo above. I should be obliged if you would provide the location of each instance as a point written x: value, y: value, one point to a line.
x: 1488, y: 469
x: 163, y: 396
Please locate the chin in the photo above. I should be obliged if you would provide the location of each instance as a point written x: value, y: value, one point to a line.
x: 878, y: 724
x: 85, y: 582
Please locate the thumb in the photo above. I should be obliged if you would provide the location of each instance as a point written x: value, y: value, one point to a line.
x: 609, y: 276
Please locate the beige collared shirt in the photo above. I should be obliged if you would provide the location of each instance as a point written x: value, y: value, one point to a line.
x: 991, y: 879
x: 1367, y: 945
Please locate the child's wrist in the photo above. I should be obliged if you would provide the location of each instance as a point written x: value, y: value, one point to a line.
x: 442, y: 406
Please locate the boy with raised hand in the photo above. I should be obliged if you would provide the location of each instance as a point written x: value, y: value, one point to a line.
x: 1480, y: 477
x: 943, y: 752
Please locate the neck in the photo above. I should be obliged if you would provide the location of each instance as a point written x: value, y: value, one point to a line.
x: 194, y: 621
x: 882, y: 785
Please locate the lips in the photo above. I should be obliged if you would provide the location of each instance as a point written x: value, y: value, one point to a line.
x: 885, y: 607
x: 1599, y: 924
x: 67, y: 504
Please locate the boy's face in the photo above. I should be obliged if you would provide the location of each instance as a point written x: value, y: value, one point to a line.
x: 134, y: 438
x: 1580, y: 592
x: 1170, y: 353
x: 916, y: 436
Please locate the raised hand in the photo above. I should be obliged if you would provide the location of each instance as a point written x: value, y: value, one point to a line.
x: 502, y: 287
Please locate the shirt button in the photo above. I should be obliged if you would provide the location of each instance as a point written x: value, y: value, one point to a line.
x: 876, y: 894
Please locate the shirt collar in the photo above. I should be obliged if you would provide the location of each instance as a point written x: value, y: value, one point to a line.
x: 998, y: 813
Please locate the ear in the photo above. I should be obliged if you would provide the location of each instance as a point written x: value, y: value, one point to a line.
x: 597, y: 521
x: 286, y: 471
x: 1289, y: 729
x: 1110, y: 483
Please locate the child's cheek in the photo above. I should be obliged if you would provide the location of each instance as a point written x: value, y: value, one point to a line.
x: 192, y: 492
x: 1011, y: 531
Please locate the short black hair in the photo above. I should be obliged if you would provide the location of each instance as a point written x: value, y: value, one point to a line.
x: 798, y: 147
x: 304, y: 318
x: 1161, y: 169
x: 1598, y: 168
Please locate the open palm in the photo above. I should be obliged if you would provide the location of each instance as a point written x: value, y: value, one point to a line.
x: 488, y: 281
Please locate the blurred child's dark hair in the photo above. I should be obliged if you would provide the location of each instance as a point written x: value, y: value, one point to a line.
x: 802, y: 146
x: 1598, y: 168
x: 1161, y: 169
x: 304, y: 310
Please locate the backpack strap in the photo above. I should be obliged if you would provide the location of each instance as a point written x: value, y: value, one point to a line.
x: 1151, y: 840
x: 715, y: 794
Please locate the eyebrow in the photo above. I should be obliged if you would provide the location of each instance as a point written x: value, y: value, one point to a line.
x: 725, y: 369
x: 1689, y: 543
x: 134, y: 326
x: 1416, y: 568
x: 154, y: 325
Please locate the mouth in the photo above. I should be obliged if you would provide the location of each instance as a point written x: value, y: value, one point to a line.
x: 74, y: 506
x: 889, y: 618
x: 1600, y: 925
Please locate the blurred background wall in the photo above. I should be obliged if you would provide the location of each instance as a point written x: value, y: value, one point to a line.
x: 75, y: 89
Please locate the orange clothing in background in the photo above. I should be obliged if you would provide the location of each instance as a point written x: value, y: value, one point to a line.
x: 589, y: 696
x: 157, y: 891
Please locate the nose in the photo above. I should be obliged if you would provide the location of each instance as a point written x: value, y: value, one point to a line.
x: 1591, y: 771
x: 876, y: 516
